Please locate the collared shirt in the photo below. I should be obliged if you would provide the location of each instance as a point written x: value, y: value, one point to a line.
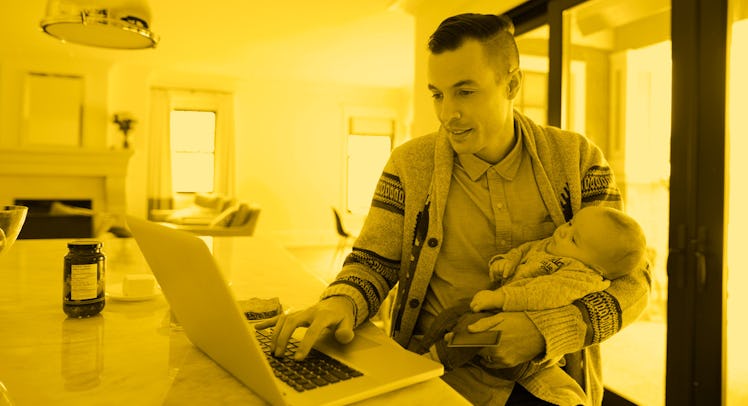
x: 490, y: 209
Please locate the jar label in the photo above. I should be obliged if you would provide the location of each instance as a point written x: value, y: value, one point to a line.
x: 83, y: 281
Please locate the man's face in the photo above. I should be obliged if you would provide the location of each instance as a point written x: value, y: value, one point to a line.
x: 472, y: 103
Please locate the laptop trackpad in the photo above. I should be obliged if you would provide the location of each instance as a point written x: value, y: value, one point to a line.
x: 359, y: 343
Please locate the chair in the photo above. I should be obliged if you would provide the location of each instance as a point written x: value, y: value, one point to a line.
x: 344, y: 237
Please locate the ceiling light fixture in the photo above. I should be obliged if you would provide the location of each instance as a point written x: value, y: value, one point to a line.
x: 117, y: 24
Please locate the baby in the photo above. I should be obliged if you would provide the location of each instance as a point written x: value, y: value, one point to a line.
x: 582, y: 256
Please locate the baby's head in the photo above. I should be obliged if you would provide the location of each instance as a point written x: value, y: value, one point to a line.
x: 606, y: 239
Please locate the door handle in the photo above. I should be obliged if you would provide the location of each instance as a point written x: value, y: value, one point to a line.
x: 700, y: 254
x: 675, y: 259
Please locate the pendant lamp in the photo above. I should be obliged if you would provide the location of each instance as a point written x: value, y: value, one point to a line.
x: 116, y: 24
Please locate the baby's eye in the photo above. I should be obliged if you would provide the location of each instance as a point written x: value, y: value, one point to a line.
x: 465, y: 92
x: 436, y: 96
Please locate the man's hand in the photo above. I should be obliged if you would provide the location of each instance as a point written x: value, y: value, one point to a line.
x: 335, y: 313
x: 520, y: 339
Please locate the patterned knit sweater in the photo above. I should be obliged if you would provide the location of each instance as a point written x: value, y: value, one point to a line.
x: 402, y: 235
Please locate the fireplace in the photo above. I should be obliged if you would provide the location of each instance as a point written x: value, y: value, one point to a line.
x: 46, y: 219
x: 85, y: 178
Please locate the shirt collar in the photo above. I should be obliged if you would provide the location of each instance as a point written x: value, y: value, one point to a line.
x: 506, y: 168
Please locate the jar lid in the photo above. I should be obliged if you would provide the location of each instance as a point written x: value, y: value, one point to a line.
x: 84, y: 244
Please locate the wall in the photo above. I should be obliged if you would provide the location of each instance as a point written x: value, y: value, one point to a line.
x: 13, y: 72
x: 290, y: 151
x: 289, y: 143
x: 90, y: 171
x: 290, y: 134
x: 289, y: 127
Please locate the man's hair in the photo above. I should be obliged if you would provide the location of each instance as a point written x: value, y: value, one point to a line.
x: 495, y: 32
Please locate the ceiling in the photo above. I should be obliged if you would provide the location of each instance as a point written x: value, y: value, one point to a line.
x: 362, y: 41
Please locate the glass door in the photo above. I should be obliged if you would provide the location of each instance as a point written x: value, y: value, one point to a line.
x: 737, y: 201
x: 616, y: 89
x: 669, y: 113
x: 532, y: 99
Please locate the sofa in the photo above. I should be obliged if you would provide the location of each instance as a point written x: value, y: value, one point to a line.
x: 211, y: 214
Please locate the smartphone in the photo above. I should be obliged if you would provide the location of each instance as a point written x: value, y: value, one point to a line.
x: 489, y: 338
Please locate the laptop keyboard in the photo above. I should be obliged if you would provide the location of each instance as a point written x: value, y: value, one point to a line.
x: 317, y: 369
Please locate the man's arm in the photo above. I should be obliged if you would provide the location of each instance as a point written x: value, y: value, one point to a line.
x: 607, y: 312
x: 599, y: 314
x: 367, y: 276
x: 548, y: 334
x: 372, y: 268
x: 593, y: 318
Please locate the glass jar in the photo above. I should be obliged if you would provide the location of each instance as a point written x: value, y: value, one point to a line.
x: 83, y: 284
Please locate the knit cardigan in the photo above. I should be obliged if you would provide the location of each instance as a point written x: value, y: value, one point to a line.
x: 401, y: 238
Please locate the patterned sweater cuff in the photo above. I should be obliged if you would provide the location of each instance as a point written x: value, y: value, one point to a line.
x: 563, y: 330
x: 360, y: 309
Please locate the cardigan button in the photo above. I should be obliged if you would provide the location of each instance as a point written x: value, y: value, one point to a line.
x: 433, y: 242
x: 414, y: 303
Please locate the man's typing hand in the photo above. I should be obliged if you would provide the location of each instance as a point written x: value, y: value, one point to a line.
x: 520, y: 342
x: 335, y: 313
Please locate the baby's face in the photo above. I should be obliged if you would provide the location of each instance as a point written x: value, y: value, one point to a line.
x: 587, y: 237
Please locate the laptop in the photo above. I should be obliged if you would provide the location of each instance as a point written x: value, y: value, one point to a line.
x: 204, y: 305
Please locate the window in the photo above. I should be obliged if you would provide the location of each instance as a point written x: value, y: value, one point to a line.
x: 193, y: 135
x: 190, y: 147
x: 369, y: 143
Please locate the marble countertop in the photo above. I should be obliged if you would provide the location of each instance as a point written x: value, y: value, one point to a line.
x: 132, y: 353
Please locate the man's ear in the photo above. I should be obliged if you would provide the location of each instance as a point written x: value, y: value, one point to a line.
x: 515, y: 83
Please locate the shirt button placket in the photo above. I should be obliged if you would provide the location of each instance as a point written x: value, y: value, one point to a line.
x: 501, y: 214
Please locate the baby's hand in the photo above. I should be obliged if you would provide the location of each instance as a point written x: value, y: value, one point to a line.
x: 499, y: 269
x: 486, y: 300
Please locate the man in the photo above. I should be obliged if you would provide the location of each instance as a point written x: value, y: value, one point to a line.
x: 487, y: 181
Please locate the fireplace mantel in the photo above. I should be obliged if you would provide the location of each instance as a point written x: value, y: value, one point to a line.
x: 64, y: 162
x: 46, y: 173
